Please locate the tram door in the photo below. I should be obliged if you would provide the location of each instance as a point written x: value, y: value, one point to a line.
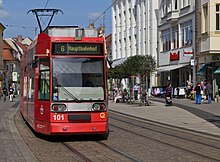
x: 42, y: 106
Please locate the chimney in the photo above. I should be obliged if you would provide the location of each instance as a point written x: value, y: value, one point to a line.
x: 20, y: 38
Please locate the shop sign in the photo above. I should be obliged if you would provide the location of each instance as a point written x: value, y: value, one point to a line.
x: 174, y: 56
x: 192, y: 62
x: 14, y: 76
x: 188, y: 53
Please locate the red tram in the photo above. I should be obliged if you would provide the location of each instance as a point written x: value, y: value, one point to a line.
x: 64, y: 82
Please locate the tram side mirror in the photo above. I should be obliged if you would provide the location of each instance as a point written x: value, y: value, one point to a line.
x: 55, y: 90
x: 55, y: 84
x: 35, y: 62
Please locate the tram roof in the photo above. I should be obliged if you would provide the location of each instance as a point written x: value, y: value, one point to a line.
x: 71, y: 31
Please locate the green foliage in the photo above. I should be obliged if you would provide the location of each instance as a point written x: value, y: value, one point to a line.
x: 134, y: 65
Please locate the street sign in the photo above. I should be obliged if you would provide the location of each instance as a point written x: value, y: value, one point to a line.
x: 192, y: 62
x: 14, y: 76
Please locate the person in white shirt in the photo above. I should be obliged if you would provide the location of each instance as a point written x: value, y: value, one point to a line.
x: 136, y: 91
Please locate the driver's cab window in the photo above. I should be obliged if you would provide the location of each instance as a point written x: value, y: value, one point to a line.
x: 44, y: 79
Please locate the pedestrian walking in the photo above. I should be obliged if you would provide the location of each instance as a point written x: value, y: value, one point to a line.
x: 136, y: 87
x: 168, y: 95
x: 208, y: 92
x: 4, y: 93
x: 198, y: 93
x: 11, y: 93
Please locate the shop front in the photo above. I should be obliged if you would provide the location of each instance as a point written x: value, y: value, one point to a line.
x: 176, y: 68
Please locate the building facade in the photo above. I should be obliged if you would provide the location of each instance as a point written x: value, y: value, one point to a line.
x: 134, y: 30
x: 13, y: 50
x: 176, y: 42
x: 208, y: 54
x: 2, y: 28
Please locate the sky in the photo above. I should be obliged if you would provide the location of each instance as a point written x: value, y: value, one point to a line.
x: 13, y: 15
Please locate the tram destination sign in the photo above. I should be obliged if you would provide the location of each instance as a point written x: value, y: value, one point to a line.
x: 77, y: 48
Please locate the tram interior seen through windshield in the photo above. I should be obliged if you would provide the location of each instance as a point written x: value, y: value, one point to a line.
x: 78, y: 79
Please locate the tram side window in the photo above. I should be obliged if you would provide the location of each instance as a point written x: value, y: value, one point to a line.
x: 31, y: 88
x: 44, y: 80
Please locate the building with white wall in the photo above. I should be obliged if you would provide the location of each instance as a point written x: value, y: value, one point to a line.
x: 134, y: 30
x: 176, y: 41
x: 208, y: 37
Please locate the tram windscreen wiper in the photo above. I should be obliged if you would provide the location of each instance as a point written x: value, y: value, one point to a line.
x: 69, y: 94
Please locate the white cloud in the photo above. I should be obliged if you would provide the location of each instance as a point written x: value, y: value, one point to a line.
x: 3, y: 14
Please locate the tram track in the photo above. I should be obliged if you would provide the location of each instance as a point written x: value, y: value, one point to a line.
x: 97, y: 151
x: 129, y: 140
x: 167, y: 135
x: 79, y: 148
x: 83, y: 157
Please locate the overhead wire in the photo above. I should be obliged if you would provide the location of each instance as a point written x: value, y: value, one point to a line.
x: 44, y: 22
x: 103, y: 13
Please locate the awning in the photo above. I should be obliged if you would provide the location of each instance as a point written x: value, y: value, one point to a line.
x: 118, y: 61
x: 203, y: 69
x: 217, y: 71
x: 170, y: 67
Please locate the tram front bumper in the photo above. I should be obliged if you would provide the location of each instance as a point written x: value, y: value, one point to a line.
x: 78, y: 128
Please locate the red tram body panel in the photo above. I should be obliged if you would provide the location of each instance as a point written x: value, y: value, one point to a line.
x: 64, y: 83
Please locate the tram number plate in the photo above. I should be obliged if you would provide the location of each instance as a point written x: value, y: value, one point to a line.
x: 58, y: 117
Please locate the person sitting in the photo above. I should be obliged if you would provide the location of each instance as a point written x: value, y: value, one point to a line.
x: 125, y: 95
x: 119, y: 96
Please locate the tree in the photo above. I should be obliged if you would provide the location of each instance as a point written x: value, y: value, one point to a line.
x: 138, y: 65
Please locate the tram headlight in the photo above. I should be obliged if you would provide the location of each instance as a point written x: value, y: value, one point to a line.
x: 98, y: 107
x: 59, y: 107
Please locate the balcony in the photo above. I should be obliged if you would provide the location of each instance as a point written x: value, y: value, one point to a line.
x: 172, y: 16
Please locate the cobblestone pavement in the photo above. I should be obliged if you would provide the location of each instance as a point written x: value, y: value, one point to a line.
x: 179, y: 115
x: 13, y: 148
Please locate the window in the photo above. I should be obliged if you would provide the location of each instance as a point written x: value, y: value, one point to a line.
x: 185, y: 3
x: 166, y: 40
x: 175, y: 4
x: 78, y: 79
x: 205, y: 20
x: 187, y: 33
x: 169, y: 5
x: 175, y: 37
x: 31, y: 88
x: 44, y: 80
x: 217, y: 16
x: 164, y: 8
x: 135, y: 12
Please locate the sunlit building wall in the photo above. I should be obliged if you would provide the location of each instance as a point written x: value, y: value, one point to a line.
x: 134, y: 30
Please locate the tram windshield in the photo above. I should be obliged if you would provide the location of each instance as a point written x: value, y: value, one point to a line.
x: 78, y: 79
